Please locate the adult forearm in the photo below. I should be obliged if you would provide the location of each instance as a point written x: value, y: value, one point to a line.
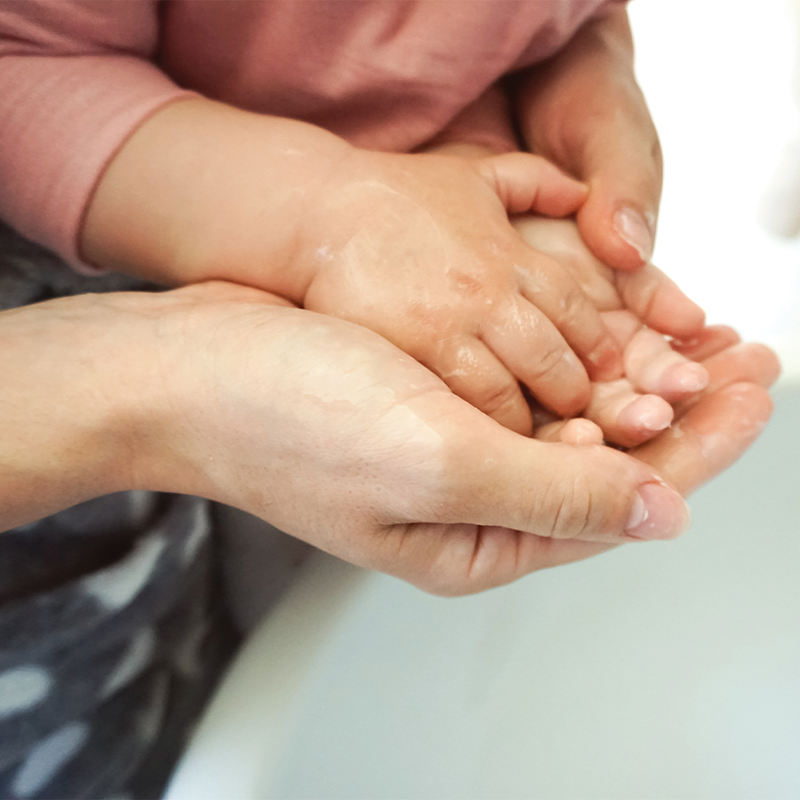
x: 73, y: 397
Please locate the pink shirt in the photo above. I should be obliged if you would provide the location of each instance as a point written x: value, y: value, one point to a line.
x: 78, y: 76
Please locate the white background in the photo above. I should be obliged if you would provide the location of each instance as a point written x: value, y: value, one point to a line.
x: 718, y: 78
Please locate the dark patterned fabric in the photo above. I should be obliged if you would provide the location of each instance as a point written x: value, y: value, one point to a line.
x: 111, y: 629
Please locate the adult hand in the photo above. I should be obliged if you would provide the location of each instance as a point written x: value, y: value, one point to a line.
x: 328, y: 431
x: 337, y: 437
x: 714, y: 428
x: 584, y: 110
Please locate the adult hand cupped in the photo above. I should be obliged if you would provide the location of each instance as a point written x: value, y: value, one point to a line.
x: 584, y: 110
x: 331, y: 433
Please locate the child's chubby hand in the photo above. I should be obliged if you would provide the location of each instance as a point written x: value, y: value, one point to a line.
x: 416, y: 247
x: 640, y: 309
x: 419, y: 248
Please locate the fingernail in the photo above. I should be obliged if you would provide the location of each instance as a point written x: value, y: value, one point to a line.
x: 633, y: 228
x: 681, y: 380
x: 658, y: 513
x: 648, y: 412
x: 693, y: 377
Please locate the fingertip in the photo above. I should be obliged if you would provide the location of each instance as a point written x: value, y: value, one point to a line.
x: 658, y: 512
x: 581, y: 432
x: 635, y: 229
x: 683, y: 379
x: 598, y: 226
x: 645, y: 417
x: 578, y: 431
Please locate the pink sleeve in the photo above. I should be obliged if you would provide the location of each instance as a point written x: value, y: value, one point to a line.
x: 75, y: 80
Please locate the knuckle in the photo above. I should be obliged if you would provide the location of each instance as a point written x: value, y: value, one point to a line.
x: 551, y: 362
x: 573, y: 517
x: 499, y: 397
x: 573, y: 306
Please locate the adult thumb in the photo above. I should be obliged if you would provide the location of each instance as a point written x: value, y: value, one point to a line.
x: 623, y: 168
x: 562, y: 491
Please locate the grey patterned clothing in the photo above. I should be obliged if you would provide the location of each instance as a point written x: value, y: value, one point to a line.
x: 111, y: 629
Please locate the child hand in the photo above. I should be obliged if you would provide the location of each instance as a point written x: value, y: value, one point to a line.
x: 635, y: 408
x: 415, y: 247
x: 624, y: 412
x: 419, y: 249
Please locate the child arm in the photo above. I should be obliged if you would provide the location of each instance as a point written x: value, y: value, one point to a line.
x: 194, y: 190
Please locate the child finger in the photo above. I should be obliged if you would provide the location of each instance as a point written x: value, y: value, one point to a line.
x: 549, y: 287
x: 577, y: 431
x: 560, y: 239
x: 653, y: 367
x: 525, y: 182
x: 626, y: 417
x: 474, y: 373
x: 535, y: 353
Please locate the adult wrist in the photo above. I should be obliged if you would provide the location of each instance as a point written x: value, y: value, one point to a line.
x: 75, y: 399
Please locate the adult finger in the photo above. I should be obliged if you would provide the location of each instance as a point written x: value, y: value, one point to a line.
x: 659, y: 303
x: 709, y: 437
x: 585, y: 111
x: 621, y: 161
